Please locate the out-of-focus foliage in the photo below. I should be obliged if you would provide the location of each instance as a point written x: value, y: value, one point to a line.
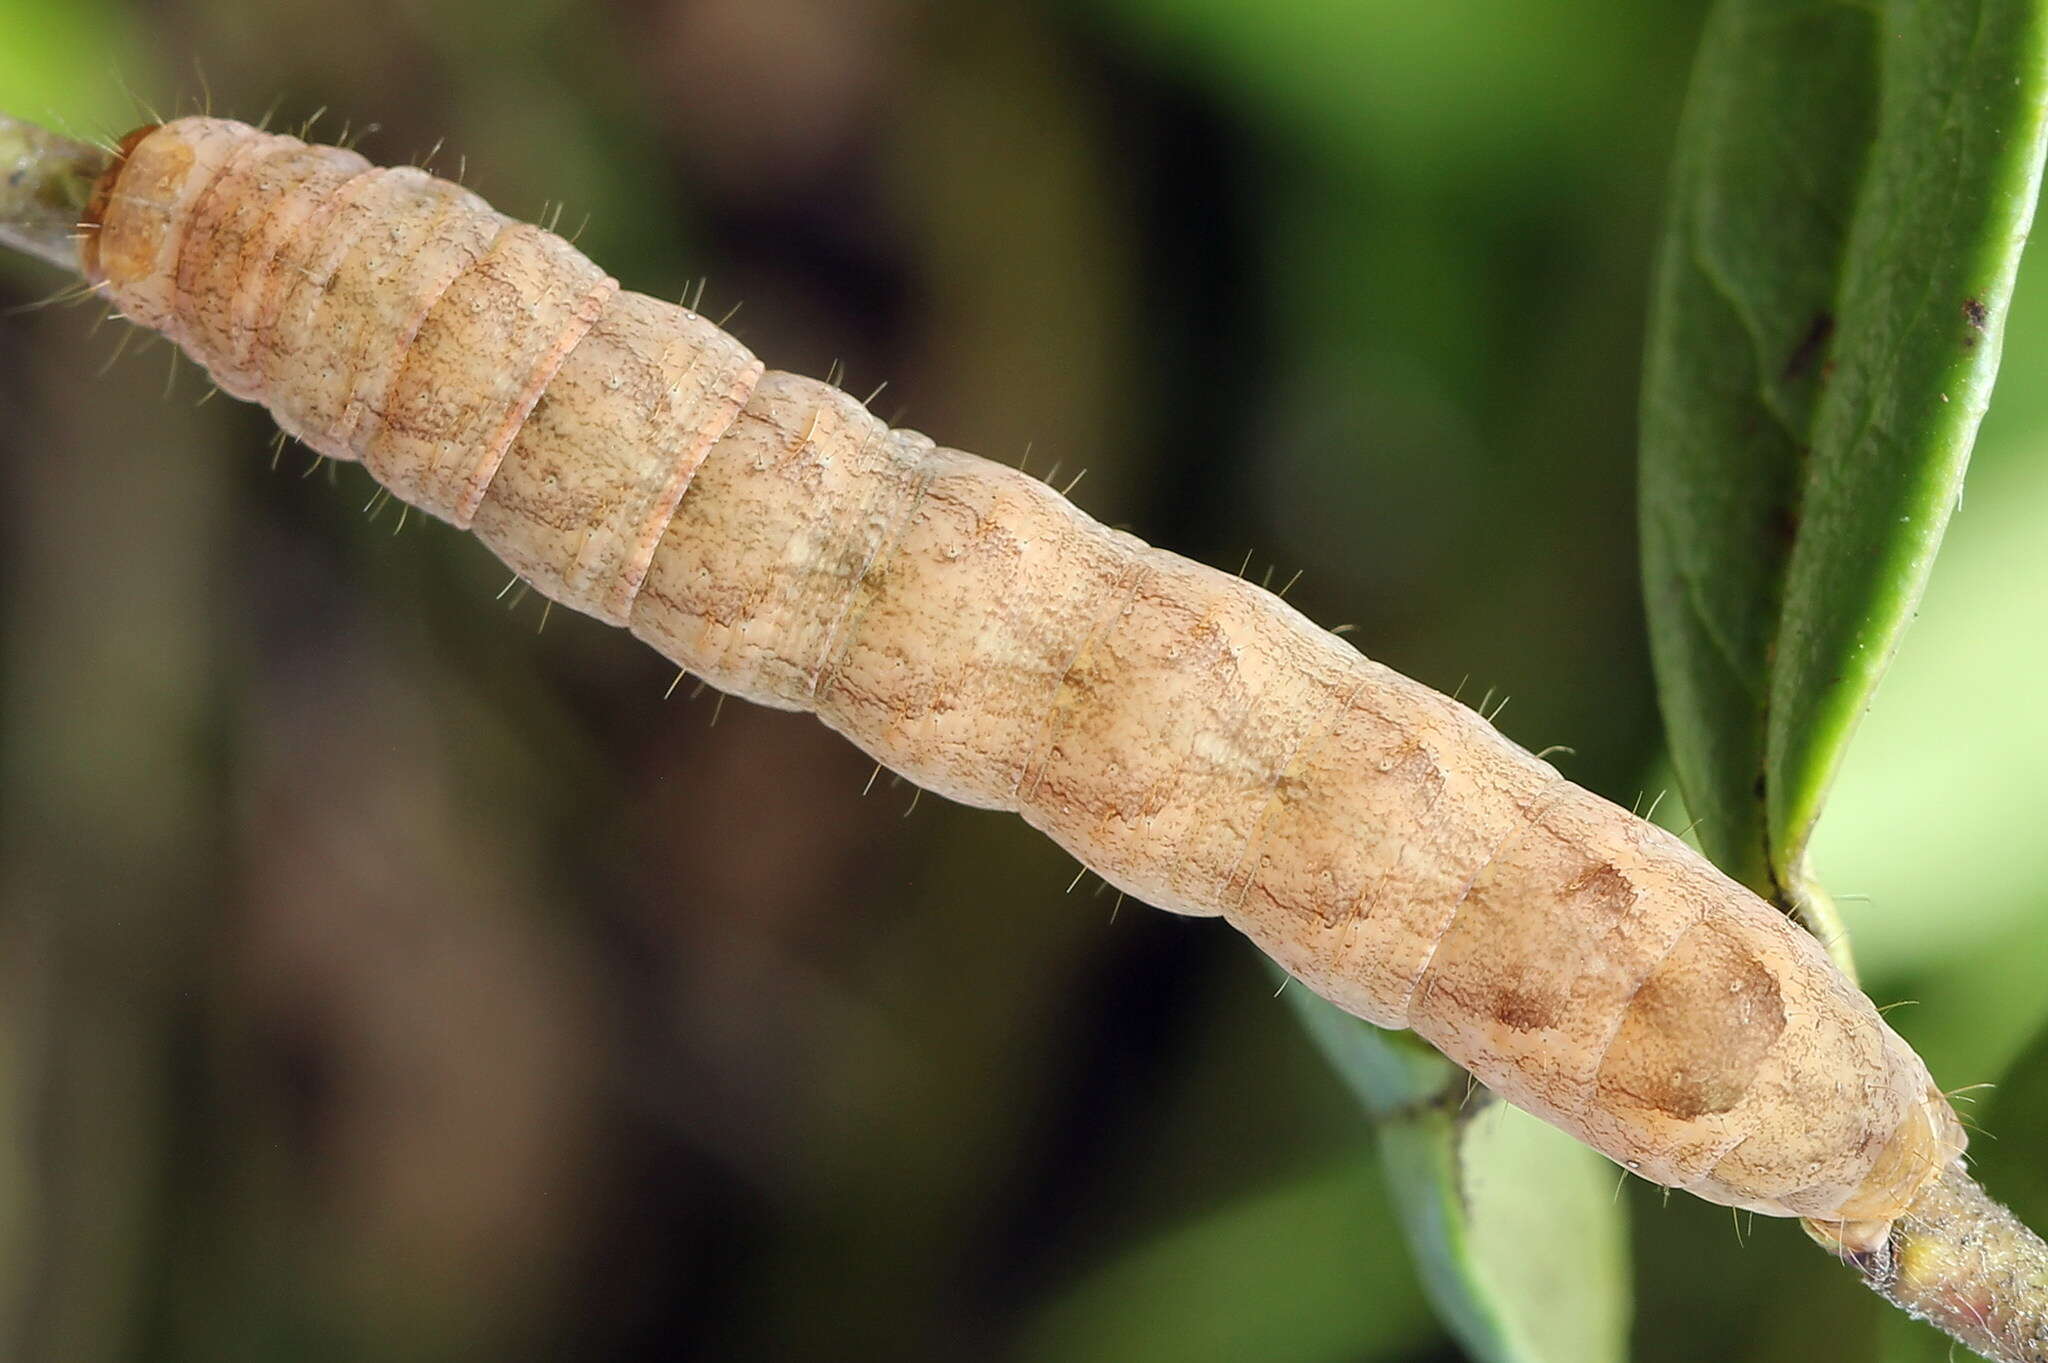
x: 380, y: 977
x: 1852, y: 189
x: 1286, y: 1267
x: 59, y: 63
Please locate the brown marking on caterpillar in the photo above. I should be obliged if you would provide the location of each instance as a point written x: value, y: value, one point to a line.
x: 1602, y: 890
x: 1528, y: 1010
x: 1975, y: 313
x: 1656, y: 1059
x: 1183, y: 733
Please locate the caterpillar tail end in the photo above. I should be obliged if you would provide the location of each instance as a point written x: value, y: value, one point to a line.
x: 1957, y: 1260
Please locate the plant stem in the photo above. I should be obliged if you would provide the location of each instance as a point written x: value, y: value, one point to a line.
x: 1813, y: 908
x: 45, y: 181
x: 1965, y: 1265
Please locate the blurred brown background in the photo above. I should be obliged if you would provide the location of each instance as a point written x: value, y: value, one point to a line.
x: 381, y: 976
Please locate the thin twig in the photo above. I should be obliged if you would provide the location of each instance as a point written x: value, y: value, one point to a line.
x: 45, y: 184
x: 1965, y: 1265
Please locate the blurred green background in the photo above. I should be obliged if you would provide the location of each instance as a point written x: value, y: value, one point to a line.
x: 381, y: 977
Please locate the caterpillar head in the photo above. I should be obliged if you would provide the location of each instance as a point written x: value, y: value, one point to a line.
x: 1926, y: 1143
x: 94, y: 221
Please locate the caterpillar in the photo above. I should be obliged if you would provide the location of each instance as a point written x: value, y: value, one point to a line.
x: 1184, y: 733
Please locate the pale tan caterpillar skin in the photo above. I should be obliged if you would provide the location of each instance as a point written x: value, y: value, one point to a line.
x: 1185, y: 734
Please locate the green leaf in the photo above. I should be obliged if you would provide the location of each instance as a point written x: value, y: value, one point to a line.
x: 1852, y: 188
x: 1515, y: 1227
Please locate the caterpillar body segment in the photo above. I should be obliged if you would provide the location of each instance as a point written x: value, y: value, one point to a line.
x: 1187, y: 735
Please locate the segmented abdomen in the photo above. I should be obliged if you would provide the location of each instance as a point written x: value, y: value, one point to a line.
x: 1188, y: 736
